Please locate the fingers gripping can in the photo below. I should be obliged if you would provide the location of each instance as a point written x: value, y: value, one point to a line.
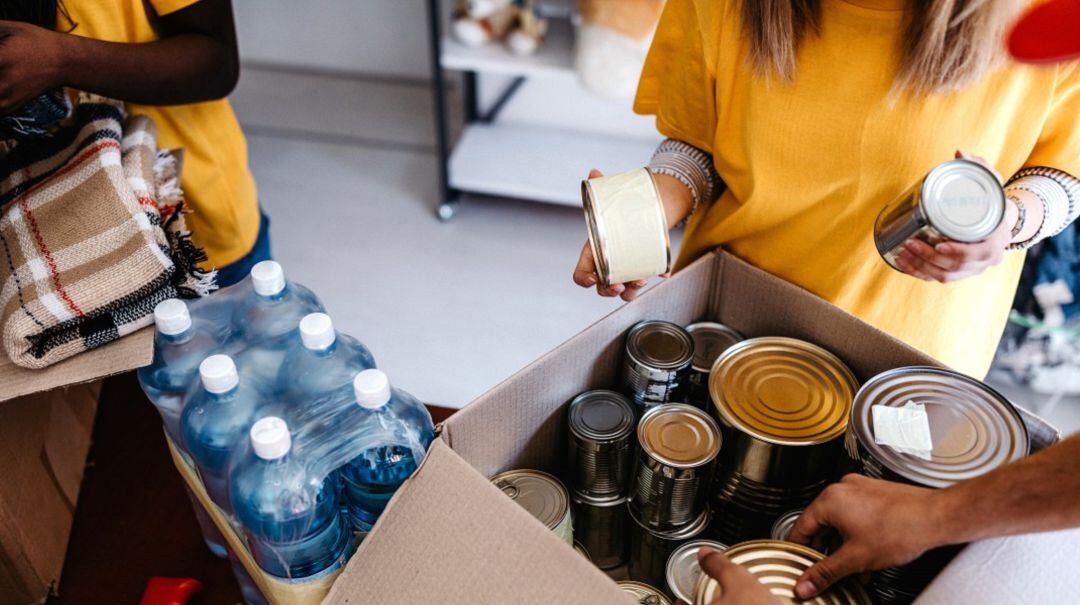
x: 959, y: 200
x: 543, y: 496
x: 656, y: 363
x: 683, y: 571
x: 601, y: 443
x: 628, y: 232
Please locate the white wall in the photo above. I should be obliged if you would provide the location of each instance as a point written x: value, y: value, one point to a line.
x: 386, y: 37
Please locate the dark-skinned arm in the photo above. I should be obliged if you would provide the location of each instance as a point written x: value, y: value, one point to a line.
x: 195, y: 60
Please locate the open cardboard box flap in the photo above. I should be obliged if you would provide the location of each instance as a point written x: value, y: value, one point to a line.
x: 452, y: 537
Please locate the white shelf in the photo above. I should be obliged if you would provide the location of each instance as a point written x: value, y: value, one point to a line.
x: 555, y: 57
x: 538, y: 163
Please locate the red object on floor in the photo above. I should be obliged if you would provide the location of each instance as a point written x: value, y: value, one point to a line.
x: 1047, y: 33
x: 169, y: 591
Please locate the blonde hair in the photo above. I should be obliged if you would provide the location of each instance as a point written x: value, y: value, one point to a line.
x: 946, y: 44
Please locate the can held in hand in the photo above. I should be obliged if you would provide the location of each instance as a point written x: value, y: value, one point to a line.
x: 711, y: 339
x: 643, y: 593
x: 959, y: 200
x: 678, y: 444
x: 601, y: 443
x: 602, y: 527
x: 656, y: 363
x: 543, y: 496
x: 783, y: 405
x: 650, y: 549
x: 628, y: 231
x: 683, y: 570
x: 778, y: 565
x: 972, y: 429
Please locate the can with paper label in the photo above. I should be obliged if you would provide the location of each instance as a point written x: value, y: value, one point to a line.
x: 628, y: 231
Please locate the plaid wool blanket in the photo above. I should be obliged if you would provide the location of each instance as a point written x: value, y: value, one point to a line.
x: 92, y: 234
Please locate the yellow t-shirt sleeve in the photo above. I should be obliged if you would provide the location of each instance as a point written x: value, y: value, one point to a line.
x: 677, y: 85
x: 1059, y: 143
x: 164, y: 7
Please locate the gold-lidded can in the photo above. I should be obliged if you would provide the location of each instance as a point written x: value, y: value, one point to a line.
x: 778, y: 565
x: 601, y: 455
x: 683, y: 570
x: 711, y: 339
x: 678, y: 444
x: 543, y: 496
x: 784, y: 405
x: 650, y: 548
x: 644, y: 593
x: 628, y: 231
x: 601, y: 527
x: 958, y: 200
x: 656, y: 363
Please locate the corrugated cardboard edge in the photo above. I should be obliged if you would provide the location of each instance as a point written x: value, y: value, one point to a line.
x: 132, y: 351
x: 452, y: 532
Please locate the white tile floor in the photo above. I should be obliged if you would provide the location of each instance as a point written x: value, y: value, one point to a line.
x: 346, y: 170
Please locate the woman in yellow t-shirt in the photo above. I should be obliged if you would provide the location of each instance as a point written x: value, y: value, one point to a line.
x: 173, y: 60
x: 791, y: 124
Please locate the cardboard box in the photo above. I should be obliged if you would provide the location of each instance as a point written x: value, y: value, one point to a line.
x: 449, y: 536
x: 46, y: 418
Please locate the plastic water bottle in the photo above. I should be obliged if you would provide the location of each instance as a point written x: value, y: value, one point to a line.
x: 322, y: 363
x: 371, y: 478
x: 216, y: 419
x: 291, y: 520
x: 180, y: 345
x: 266, y: 319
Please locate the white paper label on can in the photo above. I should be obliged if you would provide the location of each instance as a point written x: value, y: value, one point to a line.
x: 905, y: 429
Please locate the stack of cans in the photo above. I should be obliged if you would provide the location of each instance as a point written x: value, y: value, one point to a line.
x: 784, y: 406
x: 656, y: 363
x: 543, y: 496
x: 601, y: 459
x: 678, y: 445
x: 973, y: 430
x: 711, y: 339
x: 778, y: 565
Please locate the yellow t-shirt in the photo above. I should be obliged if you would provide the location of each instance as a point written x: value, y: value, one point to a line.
x: 216, y: 181
x: 810, y: 164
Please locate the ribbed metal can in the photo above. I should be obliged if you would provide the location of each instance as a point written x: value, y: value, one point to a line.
x: 683, y: 570
x: 543, y: 496
x: 959, y: 200
x: 601, y: 443
x: 644, y: 594
x: 784, y: 405
x: 656, y: 363
x: 628, y: 231
x: 650, y: 549
x: 711, y: 339
x: 778, y: 565
x: 973, y: 430
x: 677, y: 445
x: 782, y: 528
x: 602, y: 527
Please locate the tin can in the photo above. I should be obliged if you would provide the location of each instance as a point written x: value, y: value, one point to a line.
x: 601, y: 526
x: 973, y: 430
x: 543, y: 496
x: 601, y: 443
x: 643, y: 593
x: 782, y: 528
x: 628, y: 231
x: 678, y: 444
x: 778, y: 565
x: 784, y: 406
x: 711, y: 339
x: 683, y: 571
x: 959, y: 200
x: 650, y: 549
x: 656, y: 363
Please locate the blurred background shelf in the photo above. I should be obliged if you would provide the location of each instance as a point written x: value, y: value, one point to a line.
x: 555, y: 58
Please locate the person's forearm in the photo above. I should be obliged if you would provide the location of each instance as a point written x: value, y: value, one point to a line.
x: 185, y: 68
x: 1038, y: 493
x: 676, y: 197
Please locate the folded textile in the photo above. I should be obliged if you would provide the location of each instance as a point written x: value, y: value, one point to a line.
x: 92, y: 235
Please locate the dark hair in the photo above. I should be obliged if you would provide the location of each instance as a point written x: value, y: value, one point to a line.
x: 36, y: 12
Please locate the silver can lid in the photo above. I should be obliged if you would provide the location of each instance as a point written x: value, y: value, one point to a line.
x: 683, y: 570
x: 711, y: 339
x: 781, y: 529
x: 537, y: 492
x: 963, y: 200
x: 643, y: 593
x: 973, y: 428
x: 660, y: 345
x: 601, y: 416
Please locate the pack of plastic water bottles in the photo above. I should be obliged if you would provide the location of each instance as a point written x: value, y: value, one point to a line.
x: 295, y: 435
